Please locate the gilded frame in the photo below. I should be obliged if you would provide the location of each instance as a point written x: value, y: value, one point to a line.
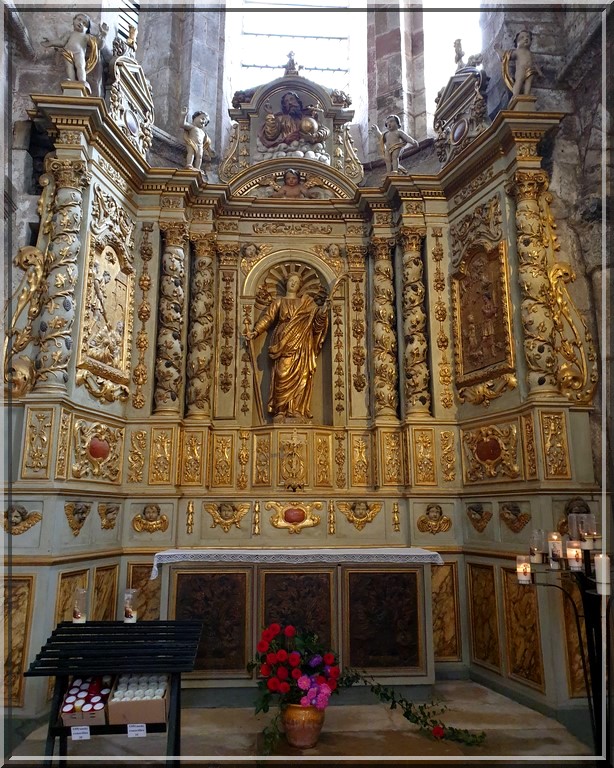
x: 18, y: 687
x: 463, y: 376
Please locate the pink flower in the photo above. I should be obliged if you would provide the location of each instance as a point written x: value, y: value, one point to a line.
x: 321, y: 701
x: 304, y: 682
x: 304, y: 701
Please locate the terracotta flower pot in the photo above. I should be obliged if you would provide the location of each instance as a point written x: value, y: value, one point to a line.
x: 302, y: 725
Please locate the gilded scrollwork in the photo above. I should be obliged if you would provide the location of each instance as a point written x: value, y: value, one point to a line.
x: 361, y: 454
x: 384, y: 336
x: 529, y: 452
x: 223, y: 460
x: 340, y: 459
x: 293, y: 461
x: 323, y: 460
x: 396, y: 521
x: 61, y: 459
x: 447, y: 455
x: 339, y: 358
x: 481, y: 227
x: 392, y: 460
x: 169, y: 349
x: 554, y: 441
x: 161, y: 456
x: 18, y: 520
x: 359, y: 512
x: 415, y: 353
x: 189, y: 519
x: 76, y: 513
x: 108, y: 515
x: 487, y: 391
x: 332, y: 526
x: 227, y: 331
x: 294, y: 517
x: 285, y: 228
x: 262, y: 460
x: 359, y: 353
x: 256, y: 519
x: 491, y: 452
x: 140, y: 374
x: 201, y: 328
x: 246, y: 362
x: 97, y: 450
x: 225, y: 514
x: 446, y: 396
x: 151, y: 520
x: 192, y: 459
x: 243, y: 459
x: 136, y: 456
x: 39, y: 427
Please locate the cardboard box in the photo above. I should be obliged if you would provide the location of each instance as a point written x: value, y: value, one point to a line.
x: 84, y: 718
x: 141, y: 711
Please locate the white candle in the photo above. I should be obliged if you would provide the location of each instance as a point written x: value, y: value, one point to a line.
x: 574, y: 555
x: 523, y: 569
x: 602, y: 574
x: 555, y: 550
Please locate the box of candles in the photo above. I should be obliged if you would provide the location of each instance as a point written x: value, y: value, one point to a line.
x: 139, y: 698
x: 86, y: 700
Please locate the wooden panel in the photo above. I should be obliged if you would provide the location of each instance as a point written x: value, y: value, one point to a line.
x: 384, y: 621
x: 105, y: 593
x: 522, y: 635
x: 446, y: 620
x: 483, y: 616
x: 223, y: 600
x: 575, y: 674
x: 18, y: 599
x: 147, y: 601
x: 303, y: 599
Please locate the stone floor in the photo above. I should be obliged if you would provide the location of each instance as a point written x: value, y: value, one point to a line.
x: 352, y: 735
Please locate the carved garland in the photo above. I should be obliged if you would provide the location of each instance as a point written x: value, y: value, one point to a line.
x: 139, y: 374
x: 446, y: 397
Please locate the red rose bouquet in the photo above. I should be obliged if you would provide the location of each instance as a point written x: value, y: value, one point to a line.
x: 294, y: 668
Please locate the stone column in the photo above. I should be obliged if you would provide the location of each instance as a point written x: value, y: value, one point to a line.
x: 55, y: 326
x: 533, y: 246
x: 200, y: 334
x: 169, y: 347
x: 384, y: 363
x: 415, y: 366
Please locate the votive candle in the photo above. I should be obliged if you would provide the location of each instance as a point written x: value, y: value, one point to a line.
x: 602, y: 574
x: 523, y: 569
x: 574, y: 555
x: 555, y: 550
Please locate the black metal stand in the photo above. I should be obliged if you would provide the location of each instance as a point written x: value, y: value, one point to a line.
x: 113, y: 647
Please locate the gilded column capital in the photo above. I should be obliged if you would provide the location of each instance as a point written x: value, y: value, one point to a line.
x: 356, y: 256
x: 68, y: 173
x: 228, y: 254
x: 175, y: 233
x: 381, y: 247
x: 527, y: 185
x: 411, y: 238
x: 204, y: 243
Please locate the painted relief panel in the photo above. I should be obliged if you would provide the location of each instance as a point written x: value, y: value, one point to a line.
x: 446, y: 621
x: 523, y: 640
x: 104, y: 599
x: 18, y: 599
x: 482, y: 320
x: 221, y: 600
x: 554, y: 444
x: 37, y: 445
x: 148, y: 595
x: 483, y: 612
x: 575, y: 674
x: 303, y: 599
x: 380, y: 636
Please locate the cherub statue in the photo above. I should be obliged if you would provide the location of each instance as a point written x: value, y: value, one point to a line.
x: 151, y: 520
x: 293, y: 188
x: 77, y: 45
x: 392, y: 141
x: 434, y: 521
x: 524, y: 66
x: 458, y: 54
x: 197, y: 141
x: 17, y: 519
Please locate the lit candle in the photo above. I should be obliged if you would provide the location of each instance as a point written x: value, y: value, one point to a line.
x: 523, y: 569
x: 555, y: 550
x: 574, y: 555
x: 537, y: 545
x: 602, y: 574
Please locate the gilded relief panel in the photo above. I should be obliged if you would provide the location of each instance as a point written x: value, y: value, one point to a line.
x: 261, y: 471
x: 484, y: 612
x: 360, y: 459
x: 104, y: 599
x: 37, y: 448
x: 222, y: 465
x: 554, y: 444
x: 529, y: 452
x: 221, y: 600
x: 148, y: 595
x: 61, y: 459
x: 161, y: 456
x: 576, y: 684
x: 323, y: 460
x: 446, y: 620
x: 304, y: 599
x: 97, y: 451
x: 293, y: 464
x: 523, y: 639
x: 192, y: 458
x: 423, y: 442
x: 136, y: 455
x: 18, y: 599
x: 391, y: 458
x: 491, y: 453
x: 380, y: 637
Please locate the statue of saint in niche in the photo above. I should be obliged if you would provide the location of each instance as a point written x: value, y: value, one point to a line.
x: 293, y: 123
x: 300, y: 330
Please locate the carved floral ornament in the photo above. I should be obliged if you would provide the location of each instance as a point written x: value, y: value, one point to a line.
x: 97, y: 450
x: 491, y: 452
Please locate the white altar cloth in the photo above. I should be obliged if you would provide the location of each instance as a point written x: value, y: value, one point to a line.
x: 385, y: 555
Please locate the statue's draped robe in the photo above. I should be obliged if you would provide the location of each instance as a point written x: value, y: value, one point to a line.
x: 295, y: 344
